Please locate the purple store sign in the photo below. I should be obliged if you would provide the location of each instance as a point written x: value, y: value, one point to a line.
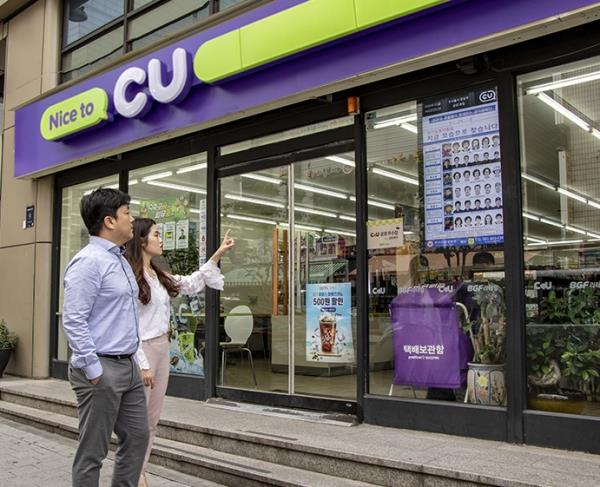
x: 87, y: 119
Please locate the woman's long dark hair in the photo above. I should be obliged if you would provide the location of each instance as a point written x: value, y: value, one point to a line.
x: 134, y: 253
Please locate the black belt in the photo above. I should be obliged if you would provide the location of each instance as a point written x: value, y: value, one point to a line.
x: 117, y: 357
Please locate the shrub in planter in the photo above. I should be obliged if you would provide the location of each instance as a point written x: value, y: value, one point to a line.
x: 8, y: 342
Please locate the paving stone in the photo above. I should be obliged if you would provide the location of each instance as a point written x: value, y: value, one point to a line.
x: 20, y: 443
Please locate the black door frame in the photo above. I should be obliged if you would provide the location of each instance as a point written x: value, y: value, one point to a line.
x: 283, y: 153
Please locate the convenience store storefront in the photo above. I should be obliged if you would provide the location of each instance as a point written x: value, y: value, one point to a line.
x: 412, y: 190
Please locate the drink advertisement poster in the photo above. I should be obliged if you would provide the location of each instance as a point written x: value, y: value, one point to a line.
x: 462, y: 171
x: 329, y: 323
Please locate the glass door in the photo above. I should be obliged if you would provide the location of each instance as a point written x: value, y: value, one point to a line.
x: 288, y: 311
x: 254, y: 309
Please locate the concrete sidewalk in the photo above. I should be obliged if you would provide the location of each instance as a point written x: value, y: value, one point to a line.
x: 30, y: 457
x: 467, y: 460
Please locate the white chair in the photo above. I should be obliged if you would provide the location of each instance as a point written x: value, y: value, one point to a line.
x: 238, y: 326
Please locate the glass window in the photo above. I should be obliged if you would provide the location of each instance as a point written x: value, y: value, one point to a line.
x: 93, y: 54
x: 286, y: 134
x: 140, y: 3
x: 162, y: 21
x: 559, y: 108
x: 225, y: 4
x: 173, y: 194
x: 436, y: 264
x: 73, y: 237
x: 82, y: 17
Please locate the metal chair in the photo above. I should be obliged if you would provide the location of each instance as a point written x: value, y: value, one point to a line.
x: 238, y: 327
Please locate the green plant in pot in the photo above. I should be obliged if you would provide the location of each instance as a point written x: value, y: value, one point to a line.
x: 563, y: 352
x: 485, y: 379
x: 8, y: 342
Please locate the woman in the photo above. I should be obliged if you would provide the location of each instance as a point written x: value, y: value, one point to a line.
x: 156, y: 289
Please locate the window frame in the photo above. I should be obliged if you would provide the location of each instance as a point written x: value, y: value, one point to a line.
x: 123, y: 21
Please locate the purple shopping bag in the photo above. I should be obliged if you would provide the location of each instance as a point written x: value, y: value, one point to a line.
x: 430, y: 348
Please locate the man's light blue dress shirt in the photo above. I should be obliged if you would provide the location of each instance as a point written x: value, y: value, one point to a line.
x: 100, y: 305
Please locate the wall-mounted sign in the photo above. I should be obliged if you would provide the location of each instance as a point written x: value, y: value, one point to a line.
x: 385, y: 234
x: 219, y: 72
x: 462, y: 170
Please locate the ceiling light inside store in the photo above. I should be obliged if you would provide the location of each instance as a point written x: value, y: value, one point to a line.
x: 410, y: 127
x: 259, y: 177
x: 347, y: 218
x: 134, y: 202
x: 398, y: 177
x: 594, y: 204
x: 572, y: 195
x: 341, y: 160
x: 575, y: 230
x: 308, y: 228
x: 564, y: 242
x: 552, y: 103
x: 377, y: 204
x: 256, y: 201
x: 562, y: 83
x: 315, y: 212
x: 159, y: 175
x: 251, y: 219
x: 552, y: 222
x: 533, y: 179
x: 177, y: 187
x: 315, y: 189
x: 302, y: 227
x: 531, y: 217
x: 132, y: 182
x: 593, y: 235
x: 195, y: 167
x: 536, y: 240
x: 396, y: 121
x: 340, y: 232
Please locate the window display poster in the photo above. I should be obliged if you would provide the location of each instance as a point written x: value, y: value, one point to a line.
x: 169, y: 236
x: 184, y: 357
x: 462, y: 180
x: 202, y: 239
x: 182, y: 232
x: 168, y: 209
x: 329, y: 323
x: 385, y: 234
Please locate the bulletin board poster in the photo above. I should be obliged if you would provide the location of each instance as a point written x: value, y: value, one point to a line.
x: 462, y: 171
x: 172, y: 218
x: 329, y: 323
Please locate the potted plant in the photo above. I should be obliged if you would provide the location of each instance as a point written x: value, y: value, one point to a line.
x: 485, y: 377
x: 8, y: 342
x: 564, y: 352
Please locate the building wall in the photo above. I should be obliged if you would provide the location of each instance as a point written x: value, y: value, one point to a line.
x: 32, y: 61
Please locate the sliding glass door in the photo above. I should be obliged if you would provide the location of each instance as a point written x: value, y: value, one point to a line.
x: 288, y: 311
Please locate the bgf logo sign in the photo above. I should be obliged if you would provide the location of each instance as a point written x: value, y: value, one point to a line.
x: 487, y: 96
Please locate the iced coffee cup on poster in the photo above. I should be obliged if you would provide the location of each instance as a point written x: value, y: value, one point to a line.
x: 327, y: 328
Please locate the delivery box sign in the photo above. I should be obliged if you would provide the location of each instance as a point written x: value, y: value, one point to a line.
x: 70, y: 116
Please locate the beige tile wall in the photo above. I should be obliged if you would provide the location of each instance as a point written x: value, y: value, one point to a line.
x: 32, y: 63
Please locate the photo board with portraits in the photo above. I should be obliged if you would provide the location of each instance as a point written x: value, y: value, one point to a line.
x: 461, y: 173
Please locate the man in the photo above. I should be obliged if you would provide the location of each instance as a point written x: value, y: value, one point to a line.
x: 100, y: 322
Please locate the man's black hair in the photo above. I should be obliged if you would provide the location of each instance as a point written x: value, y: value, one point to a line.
x: 99, y: 204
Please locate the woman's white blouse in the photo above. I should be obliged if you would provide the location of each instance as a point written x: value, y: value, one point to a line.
x: 154, y: 317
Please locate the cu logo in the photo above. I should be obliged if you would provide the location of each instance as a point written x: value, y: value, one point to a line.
x: 486, y: 96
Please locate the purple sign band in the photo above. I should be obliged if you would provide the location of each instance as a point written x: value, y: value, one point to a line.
x: 459, y: 22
